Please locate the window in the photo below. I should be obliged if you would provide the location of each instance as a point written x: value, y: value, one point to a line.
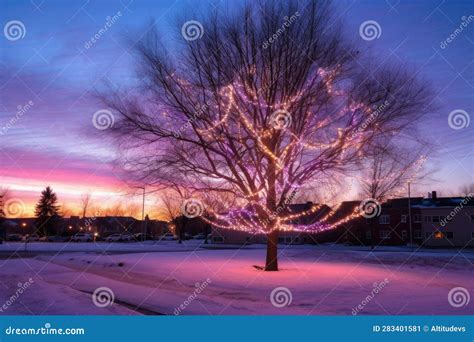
x: 417, y: 234
x: 368, y: 234
x: 439, y: 235
x: 435, y: 219
x: 472, y: 235
x: 404, y: 234
x: 472, y: 218
x: 404, y: 219
x: 417, y: 218
x: 427, y: 235
x: 385, y: 234
x: 281, y: 240
x: 384, y: 219
x: 428, y: 219
x: 449, y: 235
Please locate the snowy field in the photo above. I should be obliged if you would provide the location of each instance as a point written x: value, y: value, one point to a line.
x: 192, y: 278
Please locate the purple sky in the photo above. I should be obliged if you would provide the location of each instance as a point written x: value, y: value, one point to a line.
x: 51, y: 72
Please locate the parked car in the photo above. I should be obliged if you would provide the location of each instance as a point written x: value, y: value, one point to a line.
x: 168, y: 237
x: 200, y: 236
x: 187, y: 236
x: 82, y: 237
x: 141, y: 237
x: 14, y: 237
x: 32, y: 237
x: 118, y: 238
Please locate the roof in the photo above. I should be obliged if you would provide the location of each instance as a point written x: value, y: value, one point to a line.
x: 402, y: 202
x: 443, y: 202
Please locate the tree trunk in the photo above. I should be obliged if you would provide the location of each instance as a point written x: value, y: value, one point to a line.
x: 271, y: 263
x: 372, y: 233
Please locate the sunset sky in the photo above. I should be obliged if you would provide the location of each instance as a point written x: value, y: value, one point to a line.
x: 51, y: 72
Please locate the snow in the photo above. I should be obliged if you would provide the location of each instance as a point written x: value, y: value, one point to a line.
x: 323, y: 280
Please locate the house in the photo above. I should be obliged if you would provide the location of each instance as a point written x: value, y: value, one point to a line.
x: 21, y: 226
x: 392, y: 226
x: 228, y: 236
x: 435, y: 222
x: 103, y: 226
x: 4, y: 223
x: 447, y: 221
x: 108, y: 225
x: 352, y: 232
x: 192, y: 226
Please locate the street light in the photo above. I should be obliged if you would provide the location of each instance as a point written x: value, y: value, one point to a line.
x: 143, y: 215
x: 409, y: 215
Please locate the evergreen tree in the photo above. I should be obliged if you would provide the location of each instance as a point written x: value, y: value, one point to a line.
x: 47, y: 212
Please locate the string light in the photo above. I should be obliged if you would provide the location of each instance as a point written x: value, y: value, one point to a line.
x: 233, y: 103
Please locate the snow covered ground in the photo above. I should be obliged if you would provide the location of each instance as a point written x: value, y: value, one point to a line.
x: 167, y: 278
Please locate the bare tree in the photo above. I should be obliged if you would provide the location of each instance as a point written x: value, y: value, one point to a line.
x: 116, y: 209
x: 67, y: 211
x: 387, y: 172
x: 271, y: 98
x: 133, y: 209
x: 172, y: 199
x: 85, y: 202
x: 467, y: 189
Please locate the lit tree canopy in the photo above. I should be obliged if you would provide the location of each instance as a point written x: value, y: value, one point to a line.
x: 258, y: 118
